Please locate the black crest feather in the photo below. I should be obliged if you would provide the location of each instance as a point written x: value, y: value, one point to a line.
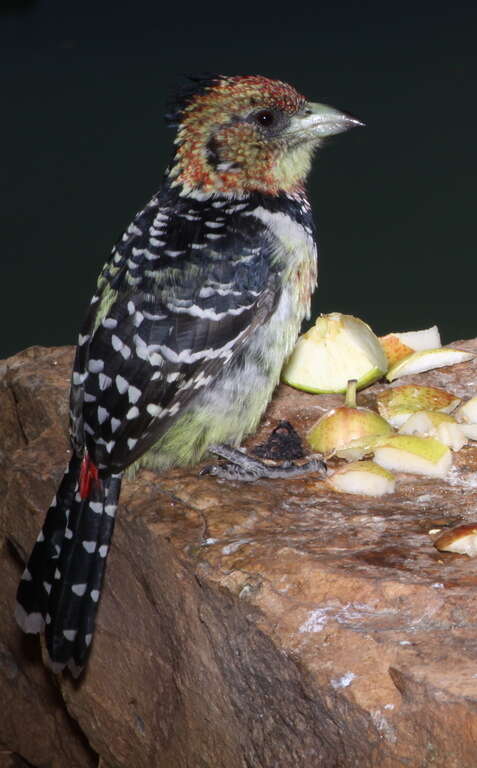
x: 194, y: 85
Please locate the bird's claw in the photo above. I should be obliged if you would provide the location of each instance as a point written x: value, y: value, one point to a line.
x: 244, y: 468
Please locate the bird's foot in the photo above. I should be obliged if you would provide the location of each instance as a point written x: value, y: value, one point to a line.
x: 240, y: 466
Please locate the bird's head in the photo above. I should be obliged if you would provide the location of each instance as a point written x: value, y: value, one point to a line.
x: 237, y: 135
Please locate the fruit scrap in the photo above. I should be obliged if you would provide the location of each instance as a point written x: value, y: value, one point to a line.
x: 364, y: 477
x: 396, y: 404
x: 339, y: 426
x: 338, y: 348
x: 399, y: 345
x: 462, y: 539
x: 469, y: 430
x: 439, y: 425
x: 425, y: 361
x: 467, y: 413
x: 417, y: 455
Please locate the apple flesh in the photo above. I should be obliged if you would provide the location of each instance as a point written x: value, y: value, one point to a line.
x: 469, y: 430
x: 467, y: 412
x: 429, y: 338
x: 338, y: 348
x: 462, y: 539
x: 363, y: 477
x: 362, y: 446
x: 400, y: 345
x: 439, y: 425
x: 417, y: 455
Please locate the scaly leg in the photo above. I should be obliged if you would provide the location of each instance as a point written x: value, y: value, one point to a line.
x: 248, y: 468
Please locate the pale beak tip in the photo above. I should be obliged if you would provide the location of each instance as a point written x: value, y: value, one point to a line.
x: 355, y: 121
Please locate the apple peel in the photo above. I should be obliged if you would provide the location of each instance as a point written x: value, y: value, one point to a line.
x: 394, y: 349
x: 339, y: 426
x: 398, y: 403
x: 462, y: 540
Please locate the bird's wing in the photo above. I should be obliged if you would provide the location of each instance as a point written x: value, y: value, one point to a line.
x: 147, y: 349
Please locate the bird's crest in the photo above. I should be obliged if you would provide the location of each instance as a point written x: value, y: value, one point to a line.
x: 186, y: 92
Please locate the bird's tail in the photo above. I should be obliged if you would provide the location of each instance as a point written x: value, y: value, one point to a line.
x: 60, y: 587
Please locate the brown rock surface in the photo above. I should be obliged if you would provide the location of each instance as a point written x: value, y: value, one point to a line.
x: 273, y: 624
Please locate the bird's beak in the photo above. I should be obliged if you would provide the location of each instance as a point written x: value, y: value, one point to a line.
x: 319, y: 120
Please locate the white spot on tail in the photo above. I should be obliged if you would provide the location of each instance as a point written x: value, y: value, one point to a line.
x: 79, y: 589
x: 29, y: 622
x: 95, y: 366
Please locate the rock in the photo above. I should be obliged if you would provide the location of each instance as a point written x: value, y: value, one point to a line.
x: 267, y: 625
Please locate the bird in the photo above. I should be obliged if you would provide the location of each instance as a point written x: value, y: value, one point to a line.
x: 194, y: 314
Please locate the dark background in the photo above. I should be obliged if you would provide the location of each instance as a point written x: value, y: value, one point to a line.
x: 84, y: 146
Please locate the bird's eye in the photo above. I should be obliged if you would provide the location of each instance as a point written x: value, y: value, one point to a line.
x: 265, y: 117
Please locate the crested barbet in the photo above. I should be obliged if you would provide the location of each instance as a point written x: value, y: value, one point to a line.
x: 194, y: 314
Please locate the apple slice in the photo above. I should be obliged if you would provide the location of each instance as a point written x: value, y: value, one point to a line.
x: 396, y: 404
x: 418, y: 455
x: 462, y: 539
x: 425, y: 361
x: 469, y: 430
x: 338, y: 348
x: 339, y: 426
x: 399, y: 345
x: 365, y: 477
x: 433, y: 424
x: 468, y: 411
